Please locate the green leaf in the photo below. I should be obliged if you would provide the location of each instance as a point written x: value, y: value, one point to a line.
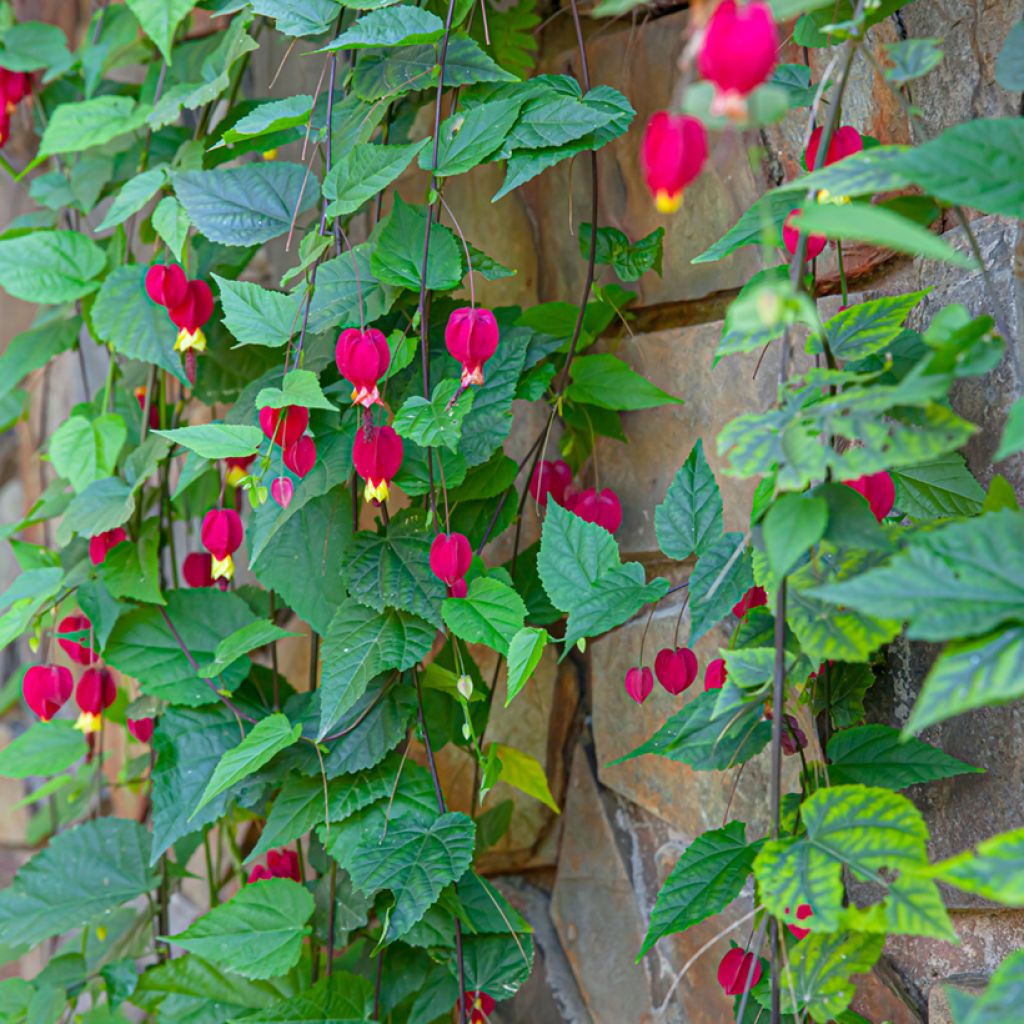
x: 245, y: 205
x: 33, y: 349
x: 133, y: 196
x: 81, y: 876
x: 74, y: 127
x: 708, y: 876
x: 341, y: 998
x: 874, y: 755
x: 258, y: 933
x: 938, y: 489
x: 83, y: 451
x: 492, y: 613
x: 398, y: 256
x: 240, y: 643
x: 342, y: 285
x: 720, y: 578
x: 301, y: 387
x: 630, y: 260
x: 33, y: 45
x: 523, y: 772
x: 415, y: 863
x: 689, y: 520
x: 1010, y: 64
x: 606, y: 381
x: 470, y: 137
x: 760, y: 223
x: 171, y: 223
x: 579, y: 566
x: 993, y: 872
x: 361, y: 644
x: 822, y: 967
x: 436, y: 423
x: 525, y: 650
x: 132, y: 569
x: 44, y: 749
x: 860, y: 222
x: 869, y: 327
x: 912, y: 58
x: 874, y: 170
x: 363, y: 171
x: 50, y: 266
x: 393, y: 26
x: 969, y: 674
x: 793, y: 525
x: 268, y: 737
x: 298, y: 17
x: 258, y: 316
x: 271, y: 117
x: 1013, y: 432
x: 101, y: 506
x: 160, y: 20
x: 216, y: 440
x: 554, y: 119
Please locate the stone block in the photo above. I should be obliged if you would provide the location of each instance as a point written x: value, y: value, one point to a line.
x: 938, y: 1004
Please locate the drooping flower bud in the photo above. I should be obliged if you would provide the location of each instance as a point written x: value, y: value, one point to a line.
x: 639, y: 683
x: 103, y: 543
x: 676, y: 669
x: 739, y: 49
x: 879, y: 489
x: 285, y: 425
x: 377, y: 457
x: 190, y: 315
x: 755, y: 597
x: 198, y: 569
x: 167, y: 286
x: 738, y: 971
x: 450, y: 557
x: 603, y: 508
x: 79, y: 653
x: 675, y: 149
x: 715, y: 675
x: 550, y: 479
x: 237, y: 469
x: 479, y: 1007
x: 300, y: 456
x: 472, y: 338
x: 282, y: 863
x: 803, y: 911
x: 141, y: 728
x: 282, y: 490
x: 95, y: 692
x: 363, y: 357
x: 464, y: 684
x: 791, y: 235
x: 846, y: 141
x: 46, y: 689
x: 222, y: 535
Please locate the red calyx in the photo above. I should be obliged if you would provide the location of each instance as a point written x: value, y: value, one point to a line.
x: 363, y: 357
x: 300, y: 456
x: 102, y: 543
x: 472, y: 338
x: 222, y: 532
x: 715, y: 675
x: 639, y: 683
x: 194, y: 309
x: 738, y: 971
x: 14, y: 87
x: 479, y: 1007
x: 550, y: 479
x: 79, y: 653
x: 198, y: 569
x: 803, y: 911
x: 676, y: 669
x: 603, y: 508
x: 96, y: 691
x: 282, y: 490
x: 141, y: 728
x: 46, y: 689
x: 167, y: 285
x: 755, y: 597
x: 674, y: 151
x: 285, y: 425
x: 280, y: 864
x: 846, y: 141
x: 450, y: 557
x: 738, y: 52
x: 377, y: 457
x: 878, y: 489
x: 791, y: 235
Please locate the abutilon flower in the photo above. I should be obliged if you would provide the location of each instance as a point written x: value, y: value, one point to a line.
x: 791, y: 235
x: 79, y: 653
x: 14, y: 87
x: 282, y: 863
x: 755, y: 597
x: 284, y: 426
x: 592, y: 506
x: 675, y: 149
x: 46, y: 689
x: 479, y: 1007
x: 471, y: 337
x: 639, y: 683
x: 167, y: 285
x: 737, y: 54
x: 803, y: 911
x: 237, y: 469
x: 154, y: 407
x: 450, y: 558
x: 879, y: 489
x: 676, y: 669
x: 377, y: 457
x: 715, y: 675
x: 282, y: 490
x: 95, y: 692
x: 845, y: 142
x: 198, y: 569
x: 550, y: 479
x: 103, y: 543
x: 300, y: 456
x: 738, y: 971
x: 222, y: 535
x: 141, y: 728
x: 189, y: 315
x: 363, y: 357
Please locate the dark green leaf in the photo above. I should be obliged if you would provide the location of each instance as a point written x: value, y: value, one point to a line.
x: 606, y: 381
x: 690, y: 518
x: 525, y: 650
x: 342, y: 998
x: 398, y: 256
x: 363, y: 171
x: 630, y: 260
x: 823, y: 967
x: 437, y: 422
x: 937, y: 489
x: 1013, y: 432
x: 298, y: 17
x: 33, y: 349
x: 159, y: 20
x: 133, y: 196
x: 33, y: 45
x: 74, y: 127
x: 271, y: 117
x: 720, y: 578
x: 469, y: 137
x: 869, y: 327
x: 394, y: 26
x: 793, y: 525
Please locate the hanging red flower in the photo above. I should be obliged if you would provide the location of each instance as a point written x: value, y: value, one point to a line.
x: 755, y: 597
x: 141, y: 728
x: 715, y: 675
x: 95, y: 692
x: 285, y: 426
x: 222, y: 535
x: 167, y: 285
x: 791, y: 235
x: 282, y: 490
x: 639, y: 683
x: 377, y: 457
x: 878, y: 489
x: 603, y: 508
x: 198, y: 569
x: 738, y: 971
x: 300, y: 456
x: 450, y: 558
x: 103, y: 543
x: 472, y: 338
x: 737, y: 54
x: 675, y: 149
x: 189, y: 315
x: 550, y: 479
x: 46, y: 689
x: 676, y: 669
x: 845, y: 142
x: 79, y: 653
x: 363, y: 358
x: 280, y: 864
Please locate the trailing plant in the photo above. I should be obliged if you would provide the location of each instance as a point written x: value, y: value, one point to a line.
x: 337, y: 443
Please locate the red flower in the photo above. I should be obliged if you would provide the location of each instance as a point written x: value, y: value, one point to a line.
x: 141, y: 728
x: 300, y: 456
x: 154, y: 407
x: 739, y: 50
x: 602, y: 508
x: 550, y: 479
x: 790, y: 236
x: 479, y: 1007
x: 238, y: 469
x: 803, y: 911
x: 450, y: 557
x: 738, y: 971
x: 280, y: 864
x: 14, y: 87
x: 79, y: 653
x: 167, y: 286
x: 715, y: 675
x: 282, y: 490
x: 193, y: 309
x: 222, y: 535
x: 880, y: 491
x: 472, y: 338
x: 285, y: 426
x: 96, y: 691
x: 675, y: 149
x: 846, y: 141
x: 46, y: 688
x: 458, y: 589
x: 377, y: 457
x: 363, y: 357
x: 676, y: 669
x: 755, y: 597
x: 639, y: 683
x: 198, y: 569
x: 102, y: 543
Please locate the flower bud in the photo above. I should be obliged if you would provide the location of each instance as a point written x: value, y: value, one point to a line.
x: 846, y: 141
x: 675, y: 149
x: 300, y: 456
x: 715, y: 675
x: 676, y: 669
x: 281, y: 490
x: 363, y: 358
x: 46, y: 689
x: 738, y: 971
x: 377, y: 458
x: 878, y: 489
x: 738, y: 52
x: 198, y: 569
x: 285, y: 426
x: 103, y: 543
x: 79, y: 653
x: 755, y: 597
x: 639, y: 683
x: 601, y: 507
x: 465, y: 687
x: 167, y: 285
x: 791, y: 236
x: 450, y: 557
x: 96, y: 691
x: 141, y: 728
x: 550, y: 479
x: 472, y: 338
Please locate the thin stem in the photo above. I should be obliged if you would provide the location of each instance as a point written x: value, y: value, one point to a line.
x: 332, y: 912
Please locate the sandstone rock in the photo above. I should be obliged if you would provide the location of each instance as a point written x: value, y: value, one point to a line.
x: 938, y: 1004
